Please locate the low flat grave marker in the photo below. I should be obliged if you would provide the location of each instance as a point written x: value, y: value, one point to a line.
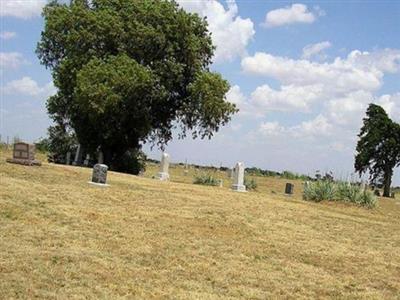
x: 24, y: 154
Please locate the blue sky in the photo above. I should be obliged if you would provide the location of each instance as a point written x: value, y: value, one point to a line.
x: 302, y: 74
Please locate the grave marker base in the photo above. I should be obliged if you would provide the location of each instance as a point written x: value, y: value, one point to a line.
x: 25, y: 162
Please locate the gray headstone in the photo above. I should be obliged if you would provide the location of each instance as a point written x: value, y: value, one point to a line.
x: 220, y: 183
x: 289, y: 188
x: 86, y: 161
x: 99, y: 174
x: 238, y: 178
x: 100, y: 158
x: 78, y: 156
x: 164, y: 166
x: 68, y: 158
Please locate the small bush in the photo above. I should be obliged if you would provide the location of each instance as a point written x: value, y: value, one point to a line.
x: 206, y: 179
x: 250, y: 184
x: 319, y: 190
x: 331, y: 191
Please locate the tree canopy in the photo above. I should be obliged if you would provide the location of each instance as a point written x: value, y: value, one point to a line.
x: 128, y: 72
x: 378, y: 148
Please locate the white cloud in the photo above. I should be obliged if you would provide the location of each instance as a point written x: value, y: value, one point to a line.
x: 342, y: 75
x: 26, y: 86
x: 246, y: 108
x: 235, y: 96
x: 288, y: 98
x: 271, y: 129
x: 11, y: 60
x: 296, y: 13
x: 314, y: 49
x: 349, y: 109
x: 319, y: 126
x: 7, y: 35
x: 342, y: 88
x: 23, y: 9
x: 386, y: 60
x: 230, y: 33
x: 391, y: 104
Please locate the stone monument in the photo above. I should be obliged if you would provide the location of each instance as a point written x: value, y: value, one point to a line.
x: 87, y: 160
x: 24, y: 154
x: 100, y: 157
x: 163, y: 174
x: 99, y: 175
x: 289, y: 188
x: 68, y: 158
x: 238, y: 178
x: 78, y: 156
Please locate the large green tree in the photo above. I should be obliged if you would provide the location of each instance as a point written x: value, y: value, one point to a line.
x: 378, y: 148
x: 130, y: 72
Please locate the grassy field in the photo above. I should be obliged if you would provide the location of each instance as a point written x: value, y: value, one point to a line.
x: 61, y: 238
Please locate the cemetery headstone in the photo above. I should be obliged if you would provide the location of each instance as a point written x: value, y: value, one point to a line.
x: 99, y: 175
x: 24, y: 154
x: 87, y: 160
x: 393, y: 195
x: 100, y: 158
x: 289, y: 188
x: 164, y: 166
x: 78, y: 156
x: 68, y: 158
x: 238, y: 178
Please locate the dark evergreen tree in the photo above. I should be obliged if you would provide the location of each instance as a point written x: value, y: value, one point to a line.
x: 378, y: 148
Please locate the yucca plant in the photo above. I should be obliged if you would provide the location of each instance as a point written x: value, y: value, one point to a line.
x: 250, y: 184
x: 319, y: 190
x: 341, y: 191
x: 206, y: 179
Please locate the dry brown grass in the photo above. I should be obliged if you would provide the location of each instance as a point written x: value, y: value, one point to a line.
x: 140, y: 238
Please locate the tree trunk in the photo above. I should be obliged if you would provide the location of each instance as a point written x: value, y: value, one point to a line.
x: 387, y: 182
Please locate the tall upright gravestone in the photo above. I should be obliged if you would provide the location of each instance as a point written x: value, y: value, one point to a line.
x: 78, y: 156
x: 238, y: 178
x: 164, y: 166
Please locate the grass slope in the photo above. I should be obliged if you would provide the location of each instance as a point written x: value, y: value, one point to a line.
x: 140, y: 238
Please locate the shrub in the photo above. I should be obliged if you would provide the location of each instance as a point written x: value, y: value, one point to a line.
x: 133, y: 161
x: 341, y: 191
x: 319, y: 190
x: 206, y: 179
x: 250, y: 184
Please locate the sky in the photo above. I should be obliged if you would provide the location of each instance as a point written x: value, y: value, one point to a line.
x: 301, y: 73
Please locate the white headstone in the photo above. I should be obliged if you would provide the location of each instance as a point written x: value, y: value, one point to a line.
x: 78, y: 156
x: 86, y: 161
x: 163, y: 174
x: 238, y: 178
